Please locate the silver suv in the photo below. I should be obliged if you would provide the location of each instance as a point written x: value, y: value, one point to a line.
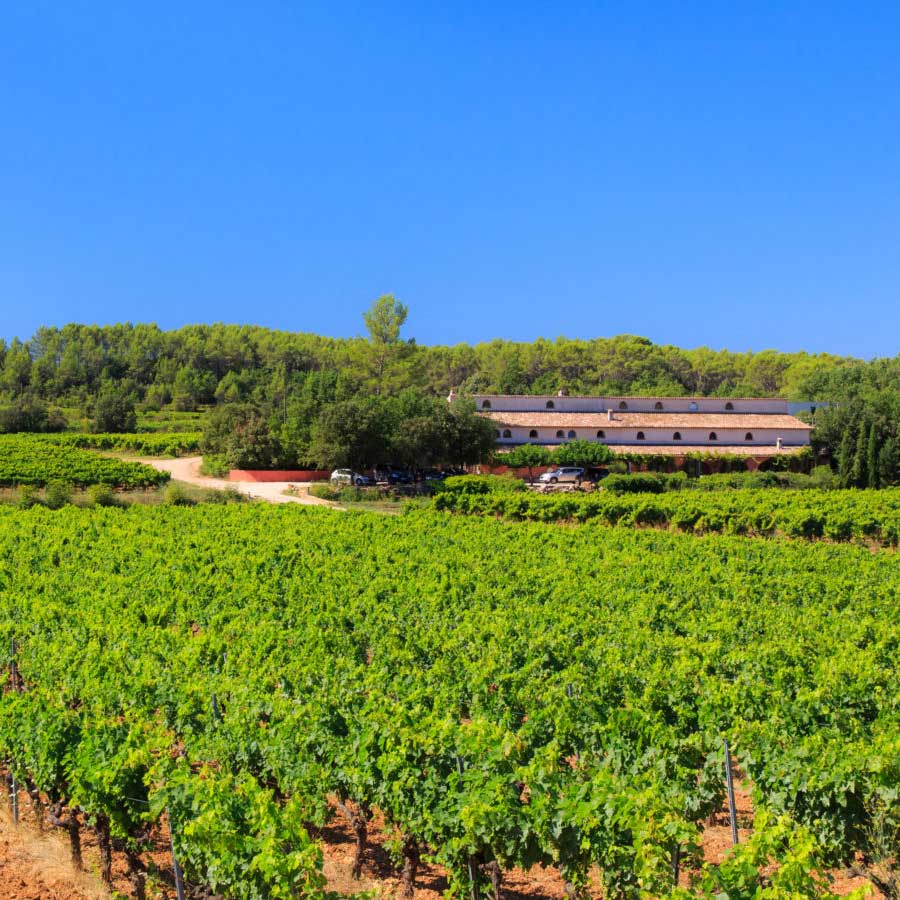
x: 563, y: 474
x: 348, y: 476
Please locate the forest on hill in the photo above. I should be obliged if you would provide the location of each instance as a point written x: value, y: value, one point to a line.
x: 287, y: 379
x: 202, y: 364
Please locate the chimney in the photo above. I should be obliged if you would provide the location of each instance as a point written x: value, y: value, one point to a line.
x: 562, y: 392
x: 609, y: 415
x: 778, y: 444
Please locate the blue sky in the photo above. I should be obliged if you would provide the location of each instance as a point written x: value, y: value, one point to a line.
x: 720, y: 174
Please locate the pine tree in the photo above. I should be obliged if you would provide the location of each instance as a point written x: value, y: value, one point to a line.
x: 873, y: 480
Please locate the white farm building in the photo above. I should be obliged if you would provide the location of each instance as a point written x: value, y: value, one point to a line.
x: 666, y: 426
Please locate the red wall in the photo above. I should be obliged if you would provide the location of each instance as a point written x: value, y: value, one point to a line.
x: 278, y: 475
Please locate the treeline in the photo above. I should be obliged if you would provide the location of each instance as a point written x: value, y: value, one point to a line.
x: 203, y: 364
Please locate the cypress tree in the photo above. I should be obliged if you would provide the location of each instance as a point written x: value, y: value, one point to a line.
x: 858, y: 474
x: 888, y: 459
x: 872, y: 459
x: 845, y: 456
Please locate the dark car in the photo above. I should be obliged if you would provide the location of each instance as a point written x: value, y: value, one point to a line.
x: 390, y: 475
x: 431, y: 475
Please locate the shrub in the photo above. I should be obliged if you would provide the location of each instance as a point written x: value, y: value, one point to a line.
x: 215, y: 465
x: 634, y: 484
x: 59, y: 494
x: 823, y: 477
x: 27, y: 497
x: 101, y: 495
x: 219, y: 497
x: 481, y: 484
x: 114, y: 411
x: 324, y: 492
x: 30, y: 415
x: 175, y: 495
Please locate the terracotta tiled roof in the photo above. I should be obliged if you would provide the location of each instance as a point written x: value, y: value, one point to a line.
x: 667, y: 420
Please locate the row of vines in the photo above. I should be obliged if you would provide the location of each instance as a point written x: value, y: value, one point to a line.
x: 865, y: 516
x: 38, y: 460
x: 503, y: 695
x: 141, y: 444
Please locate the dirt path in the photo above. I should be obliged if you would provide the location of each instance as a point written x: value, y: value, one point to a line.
x: 187, y: 469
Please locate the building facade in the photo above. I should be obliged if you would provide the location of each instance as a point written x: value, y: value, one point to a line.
x: 668, y: 426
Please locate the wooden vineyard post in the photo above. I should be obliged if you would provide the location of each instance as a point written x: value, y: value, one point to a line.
x: 729, y: 781
x: 676, y: 864
x: 473, y: 871
x: 176, y: 869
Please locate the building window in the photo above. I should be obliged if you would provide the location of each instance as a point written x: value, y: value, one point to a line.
x: 507, y: 433
x: 640, y: 435
x: 729, y: 406
x: 676, y: 436
x: 571, y: 435
x: 623, y: 405
x: 532, y: 433
x: 485, y: 404
x: 551, y: 404
x: 713, y: 436
x: 560, y: 434
x: 693, y: 406
x: 601, y: 435
x: 748, y: 436
x: 658, y: 406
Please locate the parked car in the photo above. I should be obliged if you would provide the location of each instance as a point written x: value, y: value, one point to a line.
x: 564, y: 474
x: 348, y: 476
x: 390, y: 475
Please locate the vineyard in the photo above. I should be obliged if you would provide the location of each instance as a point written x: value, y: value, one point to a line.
x: 872, y: 517
x: 496, y: 695
x: 38, y: 460
x: 161, y: 444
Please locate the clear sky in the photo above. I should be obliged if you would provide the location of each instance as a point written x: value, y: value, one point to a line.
x: 700, y: 173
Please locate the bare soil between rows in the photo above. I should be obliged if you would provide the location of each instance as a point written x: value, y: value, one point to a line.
x: 35, y: 864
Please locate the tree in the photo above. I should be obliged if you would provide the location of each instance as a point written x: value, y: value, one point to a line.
x: 529, y: 455
x: 888, y: 462
x: 384, y: 320
x: 114, y: 411
x: 582, y: 453
x: 468, y: 438
x: 872, y: 458
x: 353, y: 434
x: 845, y: 458
x: 858, y: 473
x: 239, y: 433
